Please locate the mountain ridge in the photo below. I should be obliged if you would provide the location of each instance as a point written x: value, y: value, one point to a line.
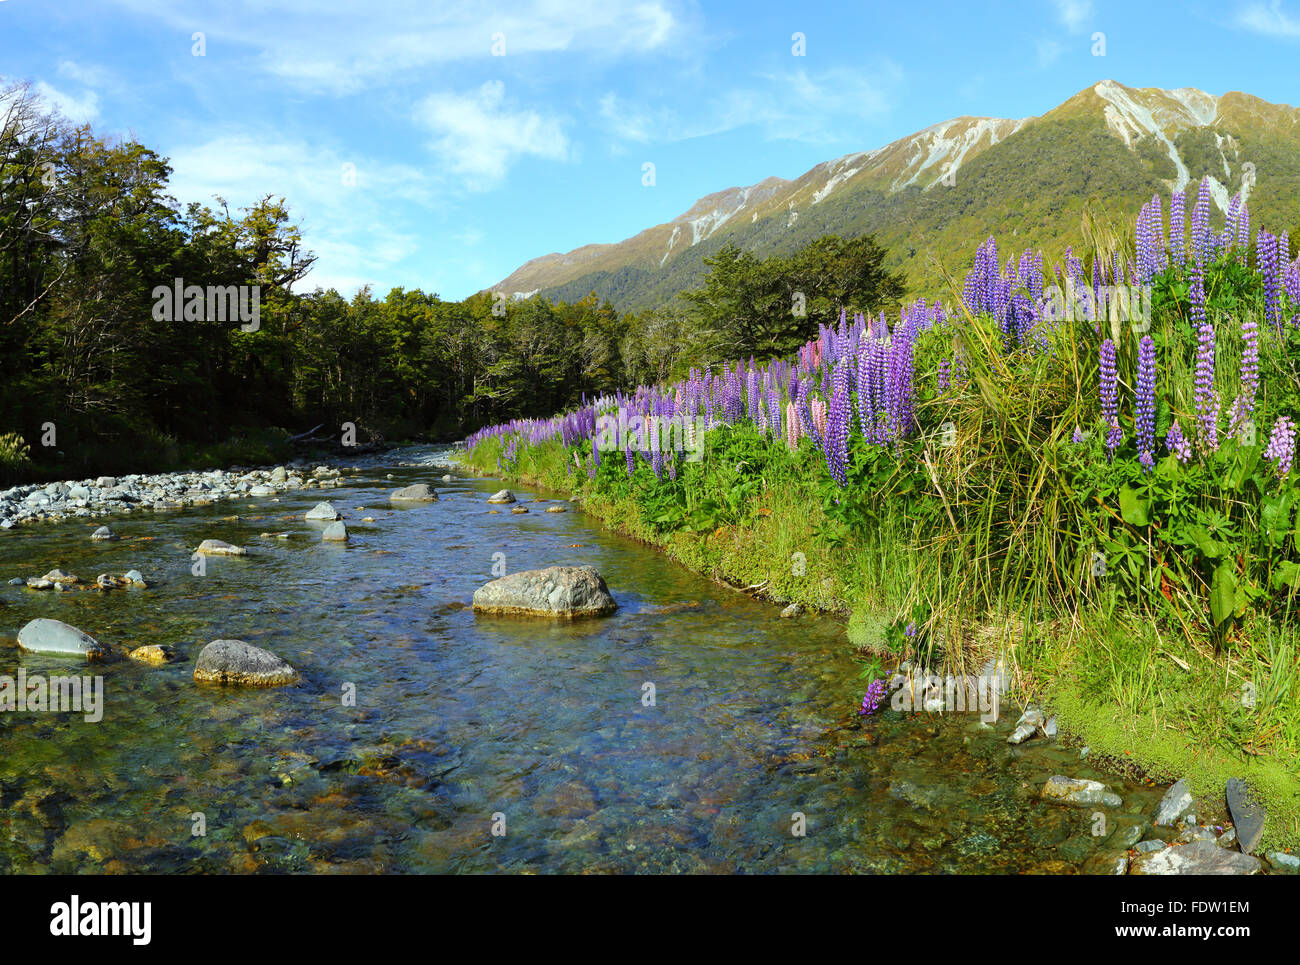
x: 891, y: 190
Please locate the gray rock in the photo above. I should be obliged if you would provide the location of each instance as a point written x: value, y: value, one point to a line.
x: 792, y: 611
x: 17, y: 581
x: 105, y: 482
x: 419, y: 493
x: 1079, y: 792
x: 449, y: 479
x: 1030, y: 723
x: 134, y: 577
x: 1247, y: 815
x: 504, y: 496
x: 1228, y: 838
x: 1196, y: 833
x: 262, y: 490
x: 1283, y: 864
x: 1049, y: 729
x: 103, y: 533
x: 335, y: 533
x: 1176, y: 802
x: 219, y: 547
x: 557, y: 591
x: 240, y: 664
x: 323, y: 511
x: 55, y: 636
x: 1127, y: 836
x: 1149, y: 847
x: 1197, y: 858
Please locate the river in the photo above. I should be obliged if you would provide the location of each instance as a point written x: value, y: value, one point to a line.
x: 419, y: 729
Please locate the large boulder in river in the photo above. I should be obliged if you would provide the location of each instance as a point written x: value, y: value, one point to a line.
x: 557, y: 591
x: 419, y: 493
x: 335, y: 533
x: 323, y: 511
x: 54, y: 636
x: 504, y: 496
x: 240, y: 664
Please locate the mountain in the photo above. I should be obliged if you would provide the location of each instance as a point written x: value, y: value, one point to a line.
x: 930, y: 198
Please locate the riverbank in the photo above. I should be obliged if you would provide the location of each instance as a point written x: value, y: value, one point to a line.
x: 111, y: 495
x: 1150, y: 702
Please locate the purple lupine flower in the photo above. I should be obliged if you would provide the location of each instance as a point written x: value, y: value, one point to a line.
x: 1207, y: 400
x: 866, y: 411
x: 1110, y: 397
x: 1178, y: 444
x: 1177, y: 211
x: 1230, y: 227
x: 1249, y: 366
x: 1077, y: 436
x: 1266, y: 248
x: 1197, y: 293
x: 1201, y: 223
x: 874, y: 697
x: 1146, y: 402
x: 1281, y: 445
x: 837, y: 437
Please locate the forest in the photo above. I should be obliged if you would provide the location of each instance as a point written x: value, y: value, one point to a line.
x: 103, y: 374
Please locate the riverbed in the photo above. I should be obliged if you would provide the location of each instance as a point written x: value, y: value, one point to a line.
x: 692, y: 731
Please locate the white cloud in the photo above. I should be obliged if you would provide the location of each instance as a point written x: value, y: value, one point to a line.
x: 478, y: 136
x: 332, y: 46
x: 351, y: 229
x: 803, y: 107
x: 79, y: 109
x: 1268, y: 19
x: 1073, y: 13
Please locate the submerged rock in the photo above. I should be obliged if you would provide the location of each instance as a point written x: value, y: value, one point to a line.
x: 240, y: 664
x: 153, y: 654
x: 504, y: 496
x: 335, y: 533
x: 1247, y: 815
x: 519, y: 509
x: 134, y: 577
x: 557, y: 591
x: 219, y: 547
x: 792, y: 611
x: 1197, y: 858
x: 1176, y: 802
x: 54, y: 636
x: 1079, y: 792
x: 419, y: 493
x: 323, y: 511
x: 557, y: 509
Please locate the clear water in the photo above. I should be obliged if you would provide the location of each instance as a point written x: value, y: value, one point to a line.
x: 461, y: 722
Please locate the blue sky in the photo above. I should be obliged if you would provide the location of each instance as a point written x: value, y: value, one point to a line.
x: 469, y: 162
